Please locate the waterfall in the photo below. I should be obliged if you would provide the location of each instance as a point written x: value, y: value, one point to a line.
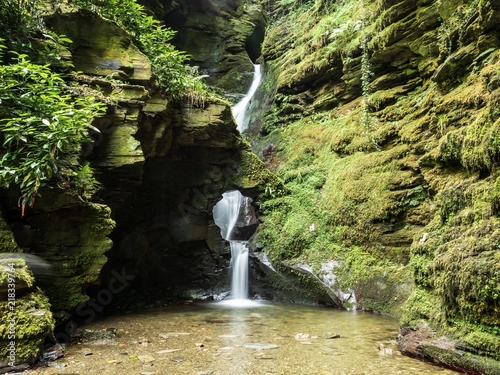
x: 239, y: 110
x: 239, y: 269
x: 226, y: 213
x: 234, y: 215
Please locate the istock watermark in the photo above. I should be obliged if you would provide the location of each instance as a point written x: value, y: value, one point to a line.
x: 88, y: 310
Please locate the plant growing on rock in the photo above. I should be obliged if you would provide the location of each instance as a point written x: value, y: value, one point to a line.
x: 173, y: 75
x: 366, y: 118
x: 452, y: 32
x: 41, y: 127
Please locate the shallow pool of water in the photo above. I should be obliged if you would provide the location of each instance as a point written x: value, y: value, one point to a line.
x: 268, y: 339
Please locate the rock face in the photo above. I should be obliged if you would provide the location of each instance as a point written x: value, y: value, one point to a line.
x: 163, y: 167
x: 101, y: 48
x: 223, y: 37
x: 191, y: 157
x: 69, y: 235
x: 382, y: 119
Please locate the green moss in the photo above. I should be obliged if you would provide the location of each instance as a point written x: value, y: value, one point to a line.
x: 421, y: 308
x: 458, y: 359
x: 34, y: 322
x: 7, y: 242
x: 456, y: 268
x: 431, y: 195
x: 22, y: 273
x: 378, y: 284
x: 483, y: 343
x: 79, y: 265
x: 333, y: 208
x: 253, y: 174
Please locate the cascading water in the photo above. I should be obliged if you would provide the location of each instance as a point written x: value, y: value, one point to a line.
x: 239, y: 267
x: 239, y: 110
x: 235, y: 217
x: 232, y: 215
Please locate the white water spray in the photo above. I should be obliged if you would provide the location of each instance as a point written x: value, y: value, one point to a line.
x: 240, y: 109
x: 239, y: 267
x: 233, y: 208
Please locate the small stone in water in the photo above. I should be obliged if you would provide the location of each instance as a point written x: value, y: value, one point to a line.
x: 383, y: 350
x: 168, y: 351
x: 332, y: 336
x: 54, y: 352
x: 302, y: 336
x: 259, y: 346
x: 145, y: 358
x: 387, y: 351
x: 199, y: 345
x: 262, y: 356
x: 178, y: 359
x: 86, y: 352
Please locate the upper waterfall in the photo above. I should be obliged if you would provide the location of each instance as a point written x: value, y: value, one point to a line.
x: 240, y: 109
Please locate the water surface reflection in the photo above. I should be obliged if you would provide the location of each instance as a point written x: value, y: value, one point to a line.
x: 268, y: 339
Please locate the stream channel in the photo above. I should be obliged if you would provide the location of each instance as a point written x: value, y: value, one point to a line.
x: 212, y: 338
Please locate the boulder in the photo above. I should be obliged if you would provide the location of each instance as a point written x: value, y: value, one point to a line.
x: 101, y: 48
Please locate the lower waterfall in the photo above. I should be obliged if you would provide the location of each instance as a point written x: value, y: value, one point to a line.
x: 235, y: 216
x: 239, y: 270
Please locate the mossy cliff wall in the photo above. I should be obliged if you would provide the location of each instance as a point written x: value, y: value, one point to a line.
x: 383, y: 124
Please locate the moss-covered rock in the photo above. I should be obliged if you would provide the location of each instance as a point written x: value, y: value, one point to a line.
x: 73, y: 240
x: 101, y: 48
x: 384, y: 131
x: 26, y: 315
x: 7, y: 241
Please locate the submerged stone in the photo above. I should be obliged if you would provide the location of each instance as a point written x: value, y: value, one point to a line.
x: 261, y: 346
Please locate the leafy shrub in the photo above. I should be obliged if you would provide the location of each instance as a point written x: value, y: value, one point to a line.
x: 17, y: 17
x: 41, y: 127
x: 173, y: 75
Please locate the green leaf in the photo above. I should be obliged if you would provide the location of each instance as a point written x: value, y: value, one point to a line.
x: 26, y: 178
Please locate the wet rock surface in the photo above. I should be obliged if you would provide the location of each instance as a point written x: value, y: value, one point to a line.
x: 223, y: 38
x: 426, y: 345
